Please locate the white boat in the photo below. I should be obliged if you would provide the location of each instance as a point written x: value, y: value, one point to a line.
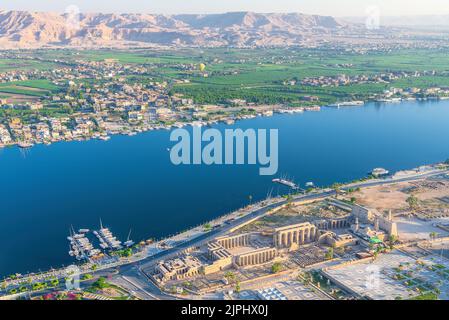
x: 25, y: 145
x: 347, y: 104
x: 286, y: 183
x: 129, y: 243
x: 310, y: 185
x: 379, y: 172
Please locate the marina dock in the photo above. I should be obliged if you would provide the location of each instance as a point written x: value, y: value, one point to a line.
x: 107, y: 239
x: 80, y: 246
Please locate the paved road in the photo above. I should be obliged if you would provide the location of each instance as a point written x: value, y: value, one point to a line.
x: 132, y: 278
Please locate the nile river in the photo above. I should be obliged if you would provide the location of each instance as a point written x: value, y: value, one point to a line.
x: 130, y: 182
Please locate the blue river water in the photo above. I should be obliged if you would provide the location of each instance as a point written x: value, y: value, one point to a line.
x: 130, y: 182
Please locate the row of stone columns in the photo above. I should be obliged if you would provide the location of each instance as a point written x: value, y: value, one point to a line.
x: 337, y: 224
x: 333, y: 224
x: 296, y: 236
x: 256, y: 258
x: 234, y: 242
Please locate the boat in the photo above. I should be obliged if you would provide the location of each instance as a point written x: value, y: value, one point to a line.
x: 291, y: 111
x: 107, y: 239
x: 128, y: 242
x: 347, y: 104
x: 105, y: 138
x: 379, y: 172
x: 310, y: 185
x: 286, y: 182
x: 25, y: 145
x: 80, y: 247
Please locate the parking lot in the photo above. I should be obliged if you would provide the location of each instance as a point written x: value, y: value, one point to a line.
x: 372, y: 278
x: 291, y: 289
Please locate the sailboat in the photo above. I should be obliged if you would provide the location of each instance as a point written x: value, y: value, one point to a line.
x: 129, y: 242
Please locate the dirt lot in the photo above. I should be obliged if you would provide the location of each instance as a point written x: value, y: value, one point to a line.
x: 432, y: 195
x: 18, y: 98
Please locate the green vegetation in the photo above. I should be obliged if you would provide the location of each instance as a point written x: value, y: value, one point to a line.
x: 38, y: 286
x: 427, y: 296
x: 124, y: 252
x: 329, y: 254
x: 100, y: 284
x: 230, y: 276
x: 392, y: 240
x: 277, y: 267
x: 413, y: 202
x: 433, y: 235
x: 37, y: 88
x: 86, y: 276
x: 259, y: 76
x: 54, y: 282
x: 237, y: 287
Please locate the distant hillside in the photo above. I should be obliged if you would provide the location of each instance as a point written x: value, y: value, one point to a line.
x: 31, y: 29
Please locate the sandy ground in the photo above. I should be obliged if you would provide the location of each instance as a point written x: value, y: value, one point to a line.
x: 383, y: 198
x: 393, y: 197
x: 416, y: 229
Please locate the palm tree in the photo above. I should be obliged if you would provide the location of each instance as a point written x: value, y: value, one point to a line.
x: 337, y: 189
x: 289, y: 201
x: 237, y: 287
x: 392, y: 239
x: 413, y: 202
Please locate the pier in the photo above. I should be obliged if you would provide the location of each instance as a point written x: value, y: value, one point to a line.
x: 107, y: 239
x: 80, y: 246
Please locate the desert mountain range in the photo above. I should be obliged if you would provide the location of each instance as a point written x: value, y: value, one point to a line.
x: 20, y: 29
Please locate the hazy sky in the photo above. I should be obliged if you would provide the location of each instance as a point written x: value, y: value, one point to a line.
x: 325, y: 7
